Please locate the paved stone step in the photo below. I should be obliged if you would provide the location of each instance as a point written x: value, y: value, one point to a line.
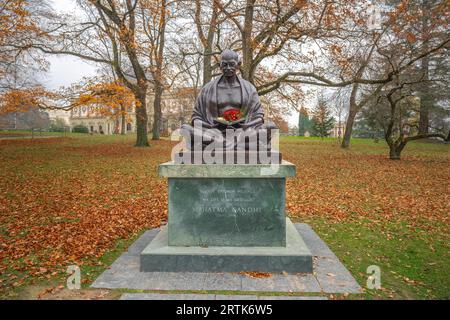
x: 164, y: 296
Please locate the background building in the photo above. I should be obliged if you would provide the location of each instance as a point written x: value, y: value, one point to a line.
x: 337, y: 131
x: 176, y: 108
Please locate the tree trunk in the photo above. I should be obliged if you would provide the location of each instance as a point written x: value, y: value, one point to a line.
x: 425, y: 99
x: 158, y: 74
x: 157, y: 114
x: 247, y: 50
x: 349, y: 125
x: 141, y: 120
x: 396, y: 148
x: 206, y: 41
x: 394, y: 152
x: 353, y: 110
x: 123, y: 124
x: 207, y: 68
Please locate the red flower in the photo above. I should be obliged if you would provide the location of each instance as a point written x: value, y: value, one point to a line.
x: 232, y: 114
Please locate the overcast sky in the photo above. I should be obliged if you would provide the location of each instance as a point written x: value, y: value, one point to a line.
x: 65, y: 70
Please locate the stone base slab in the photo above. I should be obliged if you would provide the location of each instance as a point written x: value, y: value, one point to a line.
x: 222, y: 297
x: 330, y: 275
x: 295, y: 257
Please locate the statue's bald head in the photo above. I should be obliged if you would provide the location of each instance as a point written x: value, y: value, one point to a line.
x: 228, y: 54
x: 229, y: 62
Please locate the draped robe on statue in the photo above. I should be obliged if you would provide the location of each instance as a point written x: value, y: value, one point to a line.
x: 206, y: 109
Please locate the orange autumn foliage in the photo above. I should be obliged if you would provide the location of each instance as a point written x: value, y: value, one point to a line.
x: 14, y: 19
x: 71, y: 205
x: 23, y: 100
x: 19, y: 27
x: 281, y: 123
x: 108, y: 98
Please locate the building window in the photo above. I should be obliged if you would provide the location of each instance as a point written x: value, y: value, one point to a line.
x: 128, y: 126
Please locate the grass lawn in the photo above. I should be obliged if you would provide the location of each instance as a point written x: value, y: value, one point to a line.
x: 83, y: 199
x: 29, y: 133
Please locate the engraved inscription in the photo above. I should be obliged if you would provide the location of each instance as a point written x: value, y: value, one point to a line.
x: 215, y: 211
x: 239, y: 200
x: 240, y: 194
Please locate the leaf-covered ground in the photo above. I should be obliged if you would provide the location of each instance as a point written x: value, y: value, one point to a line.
x: 375, y: 211
x: 83, y: 199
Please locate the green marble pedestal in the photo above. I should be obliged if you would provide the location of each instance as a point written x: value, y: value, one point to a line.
x: 227, y: 217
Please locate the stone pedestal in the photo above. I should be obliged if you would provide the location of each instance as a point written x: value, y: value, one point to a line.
x: 227, y: 218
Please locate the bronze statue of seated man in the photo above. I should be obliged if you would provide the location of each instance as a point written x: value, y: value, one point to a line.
x: 228, y: 113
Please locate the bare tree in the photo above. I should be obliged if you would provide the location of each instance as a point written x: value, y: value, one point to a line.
x: 111, y: 33
x: 394, y: 109
x: 154, y: 16
x: 339, y: 105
